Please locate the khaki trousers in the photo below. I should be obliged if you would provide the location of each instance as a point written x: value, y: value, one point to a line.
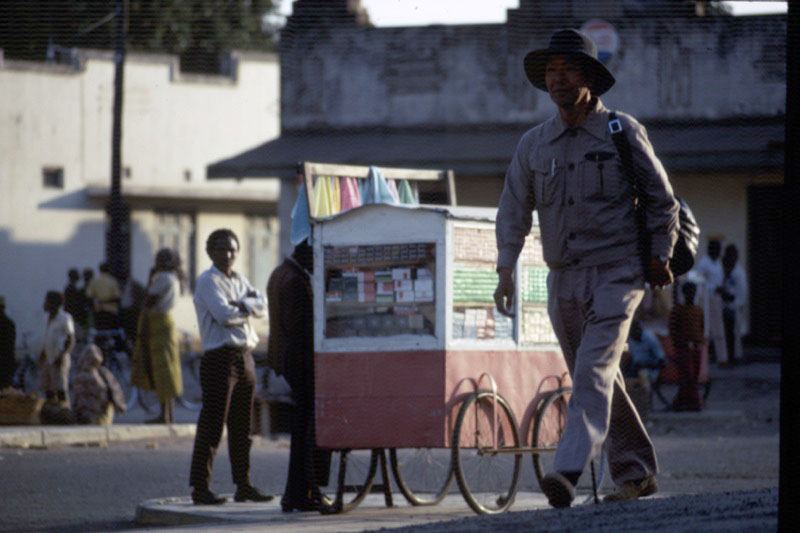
x: 54, y: 377
x: 591, y: 311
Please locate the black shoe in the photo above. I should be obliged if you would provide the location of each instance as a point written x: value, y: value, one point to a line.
x: 302, y: 506
x: 558, y: 489
x: 206, y: 497
x: 249, y: 492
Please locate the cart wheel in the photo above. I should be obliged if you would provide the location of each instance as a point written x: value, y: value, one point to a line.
x: 488, y: 481
x: 548, y: 427
x: 351, y: 473
x: 423, y: 475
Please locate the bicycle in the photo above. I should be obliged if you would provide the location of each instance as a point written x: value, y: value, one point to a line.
x: 192, y: 397
x: 26, y: 375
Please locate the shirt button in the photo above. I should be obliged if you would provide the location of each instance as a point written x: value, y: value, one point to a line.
x: 571, y: 201
x: 572, y: 236
x: 573, y: 133
x: 571, y: 166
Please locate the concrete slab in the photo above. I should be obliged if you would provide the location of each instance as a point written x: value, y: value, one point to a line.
x: 44, y: 436
x: 20, y: 437
x: 371, y: 514
x: 179, y: 514
x: 66, y: 435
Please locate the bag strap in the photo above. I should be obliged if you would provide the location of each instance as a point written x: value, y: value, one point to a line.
x: 626, y: 157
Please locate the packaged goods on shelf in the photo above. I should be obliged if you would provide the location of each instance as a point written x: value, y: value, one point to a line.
x: 401, y: 273
x: 403, y: 285
x: 333, y: 296
x: 404, y: 296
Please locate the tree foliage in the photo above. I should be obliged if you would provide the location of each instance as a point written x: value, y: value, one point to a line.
x: 198, y: 31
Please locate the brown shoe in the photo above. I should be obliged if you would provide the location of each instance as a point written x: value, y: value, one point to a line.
x: 632, y: 490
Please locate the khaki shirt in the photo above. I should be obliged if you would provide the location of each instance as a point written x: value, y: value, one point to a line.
x: 574, y: 179
x: 104, y: 290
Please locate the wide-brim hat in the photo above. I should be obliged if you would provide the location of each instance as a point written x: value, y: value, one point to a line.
x: 571, y: 43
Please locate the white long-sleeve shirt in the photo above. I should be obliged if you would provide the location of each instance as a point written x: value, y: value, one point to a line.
x: 222, y: 322
x: 56, y: 332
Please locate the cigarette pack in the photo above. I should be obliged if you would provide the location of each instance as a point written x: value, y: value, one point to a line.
x: 403, y: 285
x: 404, y: 296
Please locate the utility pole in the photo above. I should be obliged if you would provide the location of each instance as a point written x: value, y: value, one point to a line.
x: 118, y: 234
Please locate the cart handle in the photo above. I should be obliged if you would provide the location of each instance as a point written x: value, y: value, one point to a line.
x: 493, y: 385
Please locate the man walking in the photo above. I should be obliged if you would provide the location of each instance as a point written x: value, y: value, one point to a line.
x: 567, y: 168
x: 224, y: 301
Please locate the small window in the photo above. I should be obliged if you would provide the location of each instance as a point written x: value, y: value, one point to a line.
x: 53, y: 177
x: 127, y: 172
x: 187, y: 175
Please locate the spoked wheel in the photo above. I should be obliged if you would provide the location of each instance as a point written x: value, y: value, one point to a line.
x: 147, y: 400
x: 548, y: 427
x: 423, y: 475
x: 26, y: 377
x: 349, y: 479
x: 192, y: 397
x: 487, y: 479
x: 122, y: 373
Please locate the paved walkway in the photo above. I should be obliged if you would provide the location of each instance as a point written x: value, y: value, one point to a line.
x: 732, y: 403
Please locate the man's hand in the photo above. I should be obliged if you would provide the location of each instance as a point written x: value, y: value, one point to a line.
x: 240, y: 306
x: 660, y: 274
x: 504, y: 294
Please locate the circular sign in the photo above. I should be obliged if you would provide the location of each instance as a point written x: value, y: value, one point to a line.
x: 604, y: 36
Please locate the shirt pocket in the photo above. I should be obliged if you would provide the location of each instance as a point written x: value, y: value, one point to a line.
x: 600, y: 176
x: 547, y: 183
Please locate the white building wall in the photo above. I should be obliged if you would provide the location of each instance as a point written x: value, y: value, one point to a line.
x: 174, y: 125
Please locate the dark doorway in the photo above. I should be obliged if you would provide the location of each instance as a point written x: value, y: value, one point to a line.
x: 765, y: 244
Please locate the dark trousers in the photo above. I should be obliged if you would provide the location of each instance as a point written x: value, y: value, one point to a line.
x: 688, y: 359
x: 106, y: 320
x: 309, y: 466
x: 227, y: 379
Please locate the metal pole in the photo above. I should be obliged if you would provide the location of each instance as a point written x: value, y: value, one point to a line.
x: 118, y: 236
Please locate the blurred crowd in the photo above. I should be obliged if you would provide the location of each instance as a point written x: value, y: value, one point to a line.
x: 699, y: 320
x: 95, y: 313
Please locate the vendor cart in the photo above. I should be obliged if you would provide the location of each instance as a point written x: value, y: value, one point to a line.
x: 412, y: 356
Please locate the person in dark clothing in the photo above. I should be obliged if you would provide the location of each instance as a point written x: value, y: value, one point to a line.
x: 686, y: 333
x: 88, y: 307
x: 8, y: 336
x: 291, y: 352
x: 75, y: 303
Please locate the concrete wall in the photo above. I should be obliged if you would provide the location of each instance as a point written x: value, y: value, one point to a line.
x: 666, y: 68
x: 174, y: 125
